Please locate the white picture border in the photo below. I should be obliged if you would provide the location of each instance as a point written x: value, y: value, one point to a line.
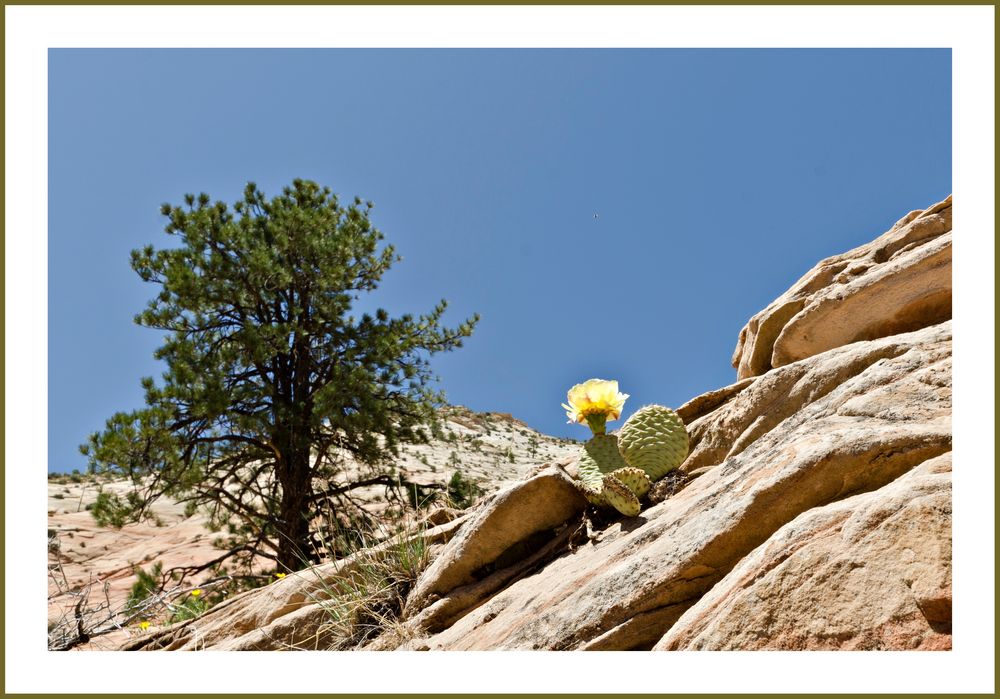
x: 967, y: 30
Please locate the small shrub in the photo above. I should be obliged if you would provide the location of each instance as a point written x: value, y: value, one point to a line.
x: 109, y: 510
x: 145, y: 585
x: 463, y: 491
x: 193, y: 605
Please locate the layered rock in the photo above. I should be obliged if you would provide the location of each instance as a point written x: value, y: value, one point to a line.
x: 872, y: 571
x: 900, y: 281
x: 625, y: 589
x: 86, y: 559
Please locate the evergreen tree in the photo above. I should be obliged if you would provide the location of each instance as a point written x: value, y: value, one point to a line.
x: 270, y: 381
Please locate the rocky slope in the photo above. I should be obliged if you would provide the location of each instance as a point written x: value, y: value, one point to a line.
x: 813, y: 512
x: 490, y: 450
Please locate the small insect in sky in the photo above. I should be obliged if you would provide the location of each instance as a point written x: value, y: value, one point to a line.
x: 596, y: 216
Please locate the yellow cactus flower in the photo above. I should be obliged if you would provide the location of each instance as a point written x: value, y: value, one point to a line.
x: 279, y: 576
x: 195, y: 593
x: 594, y: 402
x: 144, y: 625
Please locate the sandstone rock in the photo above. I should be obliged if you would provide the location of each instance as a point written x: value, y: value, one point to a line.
x: 862, y: 418
x: 626, y: 589
x: 764, y: 402
x: 512, y: 517
x: 708, y: 402
x: 291, y: 613
x: 899, y: 282
x: 871, y: 571
x: 495, y: 449
x: 88, y: 559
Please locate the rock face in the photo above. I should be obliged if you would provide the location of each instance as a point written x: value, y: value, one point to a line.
x: 83, y: 555
x: 888, y: 412
x: 503, y: 529
x: 813, y: 511
x: 872, y: 571
x: 900, y: 281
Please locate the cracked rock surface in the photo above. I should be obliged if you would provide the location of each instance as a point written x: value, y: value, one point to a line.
x: 878, y: 411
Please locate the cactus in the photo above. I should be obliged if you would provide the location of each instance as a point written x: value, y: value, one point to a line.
x: 618, y: 495
x: 605, y: 478
x: 600, y: 455
x: 653, y: 439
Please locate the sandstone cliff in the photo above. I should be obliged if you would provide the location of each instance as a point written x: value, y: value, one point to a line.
x: 813, y: 512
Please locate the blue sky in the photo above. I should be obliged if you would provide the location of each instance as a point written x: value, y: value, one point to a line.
x: 719, y: 178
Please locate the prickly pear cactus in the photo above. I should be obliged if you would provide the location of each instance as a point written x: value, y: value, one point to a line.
x: 655, y: 440
x: 605, y: 478
x: 600, y: 455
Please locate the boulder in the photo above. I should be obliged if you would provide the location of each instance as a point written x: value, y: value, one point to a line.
x: 899, y: 282
x: 511, y: 527
x: 870, y: 572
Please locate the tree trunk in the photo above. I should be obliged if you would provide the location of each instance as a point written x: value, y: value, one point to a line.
x: 294, y: 468
x: 295, y: 476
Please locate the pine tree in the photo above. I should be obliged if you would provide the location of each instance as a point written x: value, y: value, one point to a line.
x: 269, y: 380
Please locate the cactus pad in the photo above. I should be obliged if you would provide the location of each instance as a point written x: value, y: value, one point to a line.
x: 620, y: 497
x: 635, y: 479
x: 655, y: 440
x: 605, y: 478
x: 600, y: 455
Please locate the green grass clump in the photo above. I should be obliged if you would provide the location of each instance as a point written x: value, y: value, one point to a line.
x: 367, y: 600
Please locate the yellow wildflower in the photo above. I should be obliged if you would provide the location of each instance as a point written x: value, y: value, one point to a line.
x: 143, y: 625
x: 279, y: 576
x: 594, y: 402
x: 195, y: 593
